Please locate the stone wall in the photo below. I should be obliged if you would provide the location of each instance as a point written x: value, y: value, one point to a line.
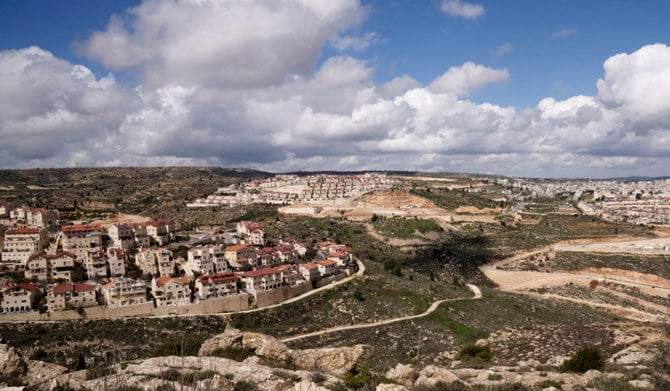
x: 273, y: 296
x: 212, y: 306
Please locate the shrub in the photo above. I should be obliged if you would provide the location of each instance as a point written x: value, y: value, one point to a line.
x: 475, y: 352
x: 98, y: 372
x: 317, y: 378
x: 585, y: 359
x: 243, y: 385
x: 495, y: 377
x: 62, y: 387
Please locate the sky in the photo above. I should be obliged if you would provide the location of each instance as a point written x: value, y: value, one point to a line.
x: 524, y: 88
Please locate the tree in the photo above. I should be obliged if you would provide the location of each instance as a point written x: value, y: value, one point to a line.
x: 585, y: 359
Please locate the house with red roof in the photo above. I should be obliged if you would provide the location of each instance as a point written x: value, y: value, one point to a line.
x: 254, y: 233
x: 216, y: 285
x: 169, y: 291
x: 20, y: 298
x: 50, y: 267
x: 239, y: 255
x: 79, y: 239
x: 261, y: 280
x: 70, y: 296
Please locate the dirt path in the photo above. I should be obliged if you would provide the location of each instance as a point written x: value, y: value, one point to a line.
x: 522, y: 281
x: 477, y: 295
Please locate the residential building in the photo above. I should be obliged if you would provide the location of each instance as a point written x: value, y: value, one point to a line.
x: 200, y: 260
x: 121, y: 236
x: 261, y: 280
x: 240, y: 255
x: 121, y: 292
x: 156, y: 261
x: 79, y: 239
x: 21, y: 243
x: 309, y: 271
x: 116, y: 261
x: 20, y: 298
x: 326, y: 267
x: 95, y: 264
x: 253, y: 232
x: 215, y: 285
x: 160, y: 231
x: 69, y: 296
x: 50, y: 267
x: 168, y: 291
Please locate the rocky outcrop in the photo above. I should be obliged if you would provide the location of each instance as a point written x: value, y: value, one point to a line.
x: 390, y: 387
x: 230, y: 337
x: 335, y: 361
x: 43, y: 375
x: 266, y: 346
x: 432, y: 374
x: 12, y: 364
x: 262, y: 345
x: 402, y: 374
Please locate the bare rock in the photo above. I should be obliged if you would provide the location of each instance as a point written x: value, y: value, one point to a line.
x: 403, y: 374
x: 432, y: 374
x: 390, y: 387
x: 42, y: 375
x: 307, y: 385
x: 557, y: 361
x: 335, y: 361
x: 230, y: 337
x: 266, y: 346
x: 11, y: 362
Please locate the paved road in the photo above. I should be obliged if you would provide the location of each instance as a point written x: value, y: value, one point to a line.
x: 430, y: 310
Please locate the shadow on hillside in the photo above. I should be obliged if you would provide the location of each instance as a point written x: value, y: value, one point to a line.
x: 457, y: 259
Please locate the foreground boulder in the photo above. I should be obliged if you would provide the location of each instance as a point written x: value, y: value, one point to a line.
x: 335, y: 361
x: 230, y: 337
x: 12, y: 364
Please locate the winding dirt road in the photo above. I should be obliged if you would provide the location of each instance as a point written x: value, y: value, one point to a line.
x: 477, y: 295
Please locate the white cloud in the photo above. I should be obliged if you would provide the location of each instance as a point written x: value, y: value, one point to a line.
x: 638, y: 86
x: 501, y: 50
x: 564, y: 33
x: 221, y: 104
x: 467, y: 78
x: 355, y: 43
x: 462, y: 9
x: 232, y: 43
x: 50, y: 106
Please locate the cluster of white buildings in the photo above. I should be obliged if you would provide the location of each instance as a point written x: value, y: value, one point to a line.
x: 287, y: 189
x: 70, y: 266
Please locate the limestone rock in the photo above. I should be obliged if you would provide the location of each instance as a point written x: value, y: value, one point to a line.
x: 266, y: 346
x: 11, y: 362
x: 644, y: 384
x: 307, y: 385
x: 390, y: 387
x: 403, y: 374
x: 43, y: 375
x: 230, y: 337
x: 432, y: 374
x: 335, y: 361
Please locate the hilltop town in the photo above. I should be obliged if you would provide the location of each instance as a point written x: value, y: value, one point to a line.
x: 386, y: 281
x: 57, y: 266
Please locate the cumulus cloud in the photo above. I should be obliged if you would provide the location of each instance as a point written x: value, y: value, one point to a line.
x: 462, y: 9
x: 50, y: 106
x: 233, y: 43
x: 242, y: 101
x: 467, y: 78
x: 638, y: 85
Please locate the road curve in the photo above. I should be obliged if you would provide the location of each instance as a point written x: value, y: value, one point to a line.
x: 477, y: 295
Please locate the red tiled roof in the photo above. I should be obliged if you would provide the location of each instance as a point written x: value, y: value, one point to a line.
x: 217, y: 278
x: 237, y: 247
x: 24, y: 286
x: 52, y: 256
x: 70, y: 287
x: 77, y: 228
x: 260, y: 272
x: 165, y: 280
x: 326, y: 262
x: 23, y: 231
